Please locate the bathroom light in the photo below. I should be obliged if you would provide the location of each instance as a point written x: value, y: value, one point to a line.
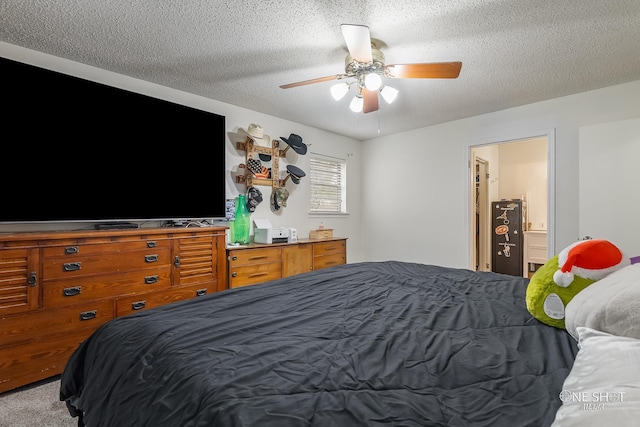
x: 356, y: 103
x: 389, y: 94
x: 338, y: 91
x: 372, y: 81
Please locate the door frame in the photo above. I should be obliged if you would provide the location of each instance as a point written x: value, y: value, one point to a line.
x: 550, y: 135
x: 483, y: 233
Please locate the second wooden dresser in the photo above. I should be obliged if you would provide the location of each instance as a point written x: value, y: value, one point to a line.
x: 258, y: 263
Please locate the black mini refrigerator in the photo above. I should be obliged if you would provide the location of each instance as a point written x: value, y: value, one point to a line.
x: 507, y: 237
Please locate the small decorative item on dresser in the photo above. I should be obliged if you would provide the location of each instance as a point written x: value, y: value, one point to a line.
x: 242, y: 224
x: 324, y: 233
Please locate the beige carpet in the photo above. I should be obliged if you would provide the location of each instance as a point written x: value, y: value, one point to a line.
x: 37, y: 405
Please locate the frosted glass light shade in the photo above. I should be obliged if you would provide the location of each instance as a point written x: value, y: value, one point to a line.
x: 338, y: 91
x: 372, y: 81
x: 356, y: 103
x: 389, y: 94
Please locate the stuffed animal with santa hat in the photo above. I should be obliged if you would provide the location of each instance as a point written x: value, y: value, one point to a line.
x: 577, y: 266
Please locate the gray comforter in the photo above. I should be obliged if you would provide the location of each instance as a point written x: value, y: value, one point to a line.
x: 366, y: 344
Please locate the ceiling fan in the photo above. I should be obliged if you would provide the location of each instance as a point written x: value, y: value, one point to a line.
x: 365, y: 64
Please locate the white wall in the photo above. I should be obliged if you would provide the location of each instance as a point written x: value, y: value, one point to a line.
x: 296, y: 213
x: 421, y: 212
x: 610, y: 183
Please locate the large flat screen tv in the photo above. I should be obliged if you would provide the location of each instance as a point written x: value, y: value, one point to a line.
x: 85, y: 151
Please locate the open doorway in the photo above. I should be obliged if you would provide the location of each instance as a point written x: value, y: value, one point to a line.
x: 512, y: 170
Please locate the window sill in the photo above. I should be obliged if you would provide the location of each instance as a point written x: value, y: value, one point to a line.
x: 328, y: 214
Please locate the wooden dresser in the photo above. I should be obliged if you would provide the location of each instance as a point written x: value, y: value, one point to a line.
x: 257, y: 263
x: 56, y: 288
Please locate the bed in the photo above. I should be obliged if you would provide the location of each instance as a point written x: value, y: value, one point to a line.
x: 364, y: 344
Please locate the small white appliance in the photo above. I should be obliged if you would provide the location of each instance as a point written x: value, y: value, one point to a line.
x: 264, y: 232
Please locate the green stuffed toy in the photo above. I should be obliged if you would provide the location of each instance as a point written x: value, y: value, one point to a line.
x: 563, y: 276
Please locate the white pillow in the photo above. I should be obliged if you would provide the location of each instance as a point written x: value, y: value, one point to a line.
x: 603, y: 387
x: 611, y: 304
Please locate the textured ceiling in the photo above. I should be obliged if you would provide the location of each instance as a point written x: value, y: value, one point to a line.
x: 513, y: 52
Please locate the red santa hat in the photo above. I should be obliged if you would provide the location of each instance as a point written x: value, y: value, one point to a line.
x: 590, y: 259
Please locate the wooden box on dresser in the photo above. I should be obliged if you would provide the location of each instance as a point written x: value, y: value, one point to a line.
x: 56, y: 288
x: 258, y: 263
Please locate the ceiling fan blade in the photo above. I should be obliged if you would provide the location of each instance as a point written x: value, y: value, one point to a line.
x: 311, y: 81
x: 433, y: 70
x: 370, y: 98
x: 358, y: 41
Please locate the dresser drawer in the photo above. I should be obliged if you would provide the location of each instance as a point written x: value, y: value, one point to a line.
x: 58, y: 293
x: 324, y: 261
x: 41, y: 323
x: 73, y: 248
x: 134, y: 304
x: 326, y: 248
x: 254, y: 256
x: 112, y: 262
x: 252, y: 274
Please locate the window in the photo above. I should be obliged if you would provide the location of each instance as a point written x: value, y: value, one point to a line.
x: 327, y: 179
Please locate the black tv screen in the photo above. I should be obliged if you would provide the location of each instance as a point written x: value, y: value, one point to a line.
x: 86, y: 151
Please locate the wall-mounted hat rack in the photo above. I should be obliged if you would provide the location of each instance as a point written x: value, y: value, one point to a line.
x: 251, y: 149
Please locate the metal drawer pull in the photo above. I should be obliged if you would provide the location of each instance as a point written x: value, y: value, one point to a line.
x: 258, y: 274
x: 152, y: 244
x: 71, y: 250
x: 201, y: 292
x: 138, y: 305
x: 72, y: 266
x: 150, y: 280
x: 69, y: 292
x: 234, y: 274
x: 234, y: 258
x: 88, y: 315
x: 151, y: 258
x: 176, y: 262
x: 33, y: 279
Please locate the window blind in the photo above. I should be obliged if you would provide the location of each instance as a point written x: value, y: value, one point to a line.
x: 327, y: 181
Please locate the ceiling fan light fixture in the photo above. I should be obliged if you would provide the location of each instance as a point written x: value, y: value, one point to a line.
x: 372, y: 81
x: 338, y: 91
x: 389, y: 94
x: 365, y: 67
x: 357, y: 103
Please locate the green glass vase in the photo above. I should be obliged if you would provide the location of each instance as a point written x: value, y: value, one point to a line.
x: 242, y: 221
